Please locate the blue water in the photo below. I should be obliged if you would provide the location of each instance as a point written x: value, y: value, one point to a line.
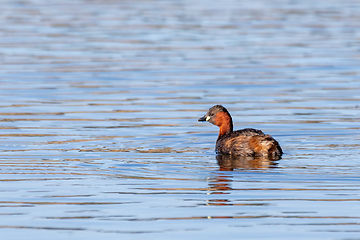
x: 99, y: 102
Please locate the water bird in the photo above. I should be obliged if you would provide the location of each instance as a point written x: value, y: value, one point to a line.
x: 244, y: 142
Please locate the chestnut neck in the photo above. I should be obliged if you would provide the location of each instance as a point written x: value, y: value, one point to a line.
x: 224, y: 122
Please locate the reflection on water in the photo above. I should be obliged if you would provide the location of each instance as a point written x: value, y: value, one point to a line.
x: 230, y: 162
x: 221, y: 183
x: 98, y: 119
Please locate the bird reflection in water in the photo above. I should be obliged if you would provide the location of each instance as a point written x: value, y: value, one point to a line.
x: 231, y: 162
x: 221, y: 182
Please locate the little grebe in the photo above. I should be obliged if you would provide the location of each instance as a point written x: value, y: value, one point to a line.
x: 245, y: 142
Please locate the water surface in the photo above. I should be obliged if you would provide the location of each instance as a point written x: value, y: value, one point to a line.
x: 99, y: 106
